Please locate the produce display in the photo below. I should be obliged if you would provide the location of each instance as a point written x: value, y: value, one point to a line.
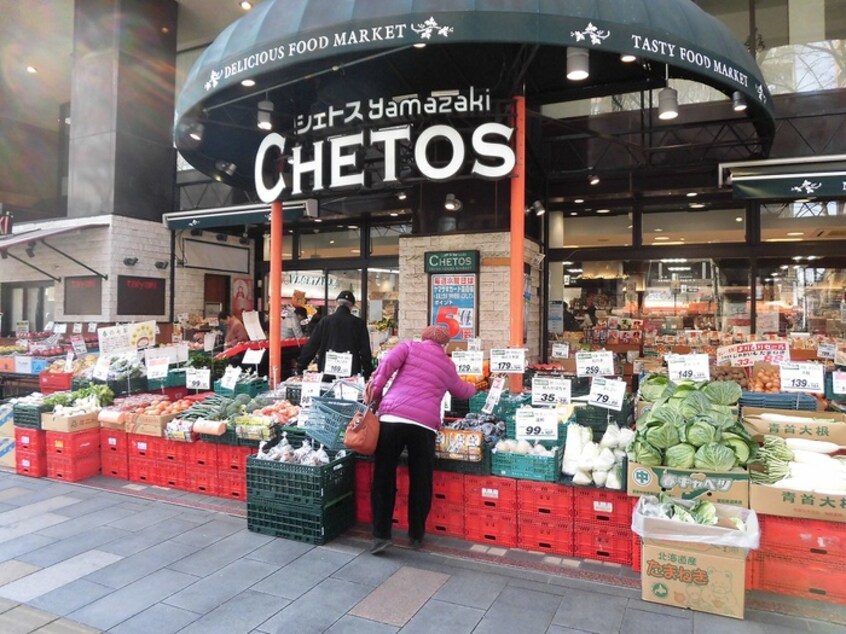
x: 80, y: 364
x: 599, y: 464
x: 691, y: 425
x: 727, y: 373
x: 800, y: 463
x: 766, y: 380
x: 523, y: 447
x: 101, y: 393
x: 280, y: 412
x: 163, y: 407
x: 218, y: 407
x: 693, y: 512
x: 305, y: 454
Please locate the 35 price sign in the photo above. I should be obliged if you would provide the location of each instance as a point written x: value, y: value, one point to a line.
x: 509, y: 360
x: 547, y: 391
x: 599, y: 363
x: 802, y: 377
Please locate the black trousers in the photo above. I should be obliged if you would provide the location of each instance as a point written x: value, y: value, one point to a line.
x: 420, y: 443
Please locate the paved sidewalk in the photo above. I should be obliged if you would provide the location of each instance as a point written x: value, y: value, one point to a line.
x: 79, y: 559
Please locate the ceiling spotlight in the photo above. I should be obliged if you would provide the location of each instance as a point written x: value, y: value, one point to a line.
x: 31, y: 70
x: 692, y: 194
x: 265, y: 108
x: 738, y: 101
x: 697, y: 205
x: 668, y: 104
x: 227, y: 167
x: 538, y: 208
x: 196, y: 132
x: 246, y: 5
x: 594, y: 179
x: 161, y: 264
x: 579, y: 201
x: 578, y: 64
x: 739, y: 219
x: 603, y: 211
x: 130, y: 261
x: 420, y: 45
x: 627, y: 58
x: 451, y: 203
x: 574, y: 213
x: 30, y: 249
x: 402, y: 195
x: 248, y: 83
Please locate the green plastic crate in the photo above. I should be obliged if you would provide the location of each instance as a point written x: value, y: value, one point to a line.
x: 482, y: 467
x: 226, y: 438
x: 29, y: 415
x: 829, y: 389
x: 304, y: 524
x: 507, y: 405
x: 79, y: 383
x: 529, y: 467
x: 173, y: 379
x: 597, y: 418
x: 121, y: 387
x: 301, y: 485
x: 252, y: 389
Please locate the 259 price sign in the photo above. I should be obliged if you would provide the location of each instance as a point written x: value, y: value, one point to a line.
x: 595, y: 363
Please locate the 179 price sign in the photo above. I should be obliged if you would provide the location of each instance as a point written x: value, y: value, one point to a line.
x: 510, y: 360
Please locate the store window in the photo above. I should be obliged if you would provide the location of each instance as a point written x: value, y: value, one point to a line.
x: 345, y: 280
x: 382, y: 304
x: 33, y: 303
x: 599, y: 227
x: 674, y: 228
x: 287, y: 246
x: 319, y: 242
x: 384, y: 239
x: 801, y: 221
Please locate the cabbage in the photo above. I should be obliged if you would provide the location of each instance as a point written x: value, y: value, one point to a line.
x: 723, y: 392
x: 652, y: 388
x: 645, y: 454
x: 663, y: 436
x: 714, y: 457
x: 695, y: 403
x: 680, y: 456
x: 666, y: 414
x: 700, y: 432
x: 704, y: 512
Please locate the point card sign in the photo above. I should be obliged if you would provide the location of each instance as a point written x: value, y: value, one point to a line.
x: 548, y: 391
x: 744, y: 355
x: 310, y: 387
x: 599, y: 363
x: 157, y: 368
x: 509, y: 360
x: 454, y: 303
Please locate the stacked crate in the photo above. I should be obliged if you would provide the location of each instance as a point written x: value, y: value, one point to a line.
x: 30, y: 452
x: 363, y: 480
x: 114, y: 453
x: 545, y: 517
x: 490, y: 510
x: 446, y: 517
x: 232, y: 471
x: 7, y: 436
x: 73, y: 456
x: 602, y: 521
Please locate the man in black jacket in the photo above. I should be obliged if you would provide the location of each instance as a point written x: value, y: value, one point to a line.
x: 340, y: 332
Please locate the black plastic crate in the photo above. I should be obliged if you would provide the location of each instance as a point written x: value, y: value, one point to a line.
x: 302, y: 485
x: 29, y: 415
x: 121, y: 387
x: 300, y: 523
x: 229, y: 437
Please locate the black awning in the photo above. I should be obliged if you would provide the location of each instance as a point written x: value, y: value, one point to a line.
x: 301, y: 53
x: 820, y: 177
x: 235, y: 216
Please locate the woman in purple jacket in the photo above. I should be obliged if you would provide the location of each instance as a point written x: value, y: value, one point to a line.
x: 410, y: 415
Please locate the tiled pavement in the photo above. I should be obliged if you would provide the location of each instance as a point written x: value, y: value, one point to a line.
x: 82, y: 559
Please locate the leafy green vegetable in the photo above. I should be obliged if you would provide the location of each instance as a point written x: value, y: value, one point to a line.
x: 714, y: 457
x: 665, y: 414
x: 700, y: 432
x: 653, y: 386
x: 723, y: 392
x: 663, y: 436
x: 680, y: 456
x: 645, y: 454
x: 695, y: 403
x: 704, y: 512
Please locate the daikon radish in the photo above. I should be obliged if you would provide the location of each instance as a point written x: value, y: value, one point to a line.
x: 817, y: 446
x: 772, y: 417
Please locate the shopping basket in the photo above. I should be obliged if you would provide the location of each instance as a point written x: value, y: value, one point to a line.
x: 328, y: 417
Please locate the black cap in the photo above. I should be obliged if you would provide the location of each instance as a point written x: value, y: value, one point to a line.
x: 346, y: 296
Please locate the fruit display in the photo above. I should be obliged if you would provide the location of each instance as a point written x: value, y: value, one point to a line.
x: 766, y: 380
x: 279, y: 411
x: 726, y: 373
x: 163, y: 407
x: 12, y: 350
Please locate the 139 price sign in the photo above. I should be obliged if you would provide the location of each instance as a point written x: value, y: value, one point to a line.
x: 802, y: 377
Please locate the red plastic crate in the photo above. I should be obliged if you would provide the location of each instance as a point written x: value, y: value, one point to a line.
x: 27, y: 439
x: 803, y: 538
x: 175, y: 393
x: 146, y: 447
x: 201, y: 480
x: 233, y: 458
x: 113, y: 441
x: 114, y: 465
x: 637, y: 552
x: 801, y: 577
x: 232, y: 485
x: 30, y: 463
x: 446, y: 519
x: 143, y: 470
x: 545, y: 499
x: 49, y: 382
x: 73, y: 444
x: 400, y: 516
x: 448, y: 488
x: 363, y: 512
x: 202, y: 454
x: 603, y: 542
x: 199, y: 396
x: 602, y: 506
x: 73, y: 468
x: 172, y: 451
x: 546, y: 534
x: 363, y: 476
x: 491, y: 492
x: 752, y: 571
x: 170, y: 474
x: 402, y: 480
x: 490, y: 527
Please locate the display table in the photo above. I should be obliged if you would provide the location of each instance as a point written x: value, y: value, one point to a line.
x: 14, y: 384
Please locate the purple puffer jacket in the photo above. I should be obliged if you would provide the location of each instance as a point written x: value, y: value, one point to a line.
x: 424, y: 374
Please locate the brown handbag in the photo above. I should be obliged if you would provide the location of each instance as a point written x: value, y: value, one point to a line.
x: 363, y: 431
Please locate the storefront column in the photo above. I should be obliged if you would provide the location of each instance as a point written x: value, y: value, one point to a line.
x: 518, y: 233
x: 275, y: 293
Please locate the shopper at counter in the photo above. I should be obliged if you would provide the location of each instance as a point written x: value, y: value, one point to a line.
x: 410, y: 415
x: 340, y: 332
x: 293, y: 326
x: 571, y: 324
x: 235, y: 332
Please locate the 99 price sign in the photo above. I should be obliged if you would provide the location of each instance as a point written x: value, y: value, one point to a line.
x: 536, y: 424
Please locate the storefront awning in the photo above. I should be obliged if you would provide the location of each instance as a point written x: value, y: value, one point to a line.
x: 306, y: 53
x: 787, y: 179
x: 234, y: 216
x: 33, y: 235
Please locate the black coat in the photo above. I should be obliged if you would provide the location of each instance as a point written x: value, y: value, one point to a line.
x: 339, y: 332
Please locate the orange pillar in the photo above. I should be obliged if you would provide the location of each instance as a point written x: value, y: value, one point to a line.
x: 518, y: 233
x: 275, y: 293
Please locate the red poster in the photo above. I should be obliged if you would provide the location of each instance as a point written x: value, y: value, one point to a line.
x: 242, y: 295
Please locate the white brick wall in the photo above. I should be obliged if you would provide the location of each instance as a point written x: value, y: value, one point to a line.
x: 494, y: 284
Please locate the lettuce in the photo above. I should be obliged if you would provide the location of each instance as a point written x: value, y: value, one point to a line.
x: 723, y: 392
x: 680, y: 456
x: 714, y: 457
x: 663, y: 436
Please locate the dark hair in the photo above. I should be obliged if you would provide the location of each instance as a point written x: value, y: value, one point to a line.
x: 223, y: 315
x: 302, y: 312
x: 565, y: 305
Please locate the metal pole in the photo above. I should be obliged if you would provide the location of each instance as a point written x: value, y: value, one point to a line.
x: 275, y: 293
x: 518, y: 233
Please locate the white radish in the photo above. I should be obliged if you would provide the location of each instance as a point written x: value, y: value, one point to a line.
x: 817, y: 446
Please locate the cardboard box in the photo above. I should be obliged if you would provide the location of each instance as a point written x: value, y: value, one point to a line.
x: 701, y: 577
x: 79, y: 422
x: 768, y: 500
x: 7, y: 426
x: 7, y: 452
x: 834, y: 431
x: 724, y: 487
x: 149, y: 425
x: 459, y: 444
x: 452, y: 346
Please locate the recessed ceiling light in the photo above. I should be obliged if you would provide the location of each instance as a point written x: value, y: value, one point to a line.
x: 627, y: 58
x: 567, y: 262
x: 802, y: 200
x: 574, y: 213
x: 594, y: 180
x: 355, y: 250
x: 630, y: 226
x: 331, y: 242
x: 249, y: 83
x: 783, y: 240
x: 784, y: 267
x: 812, y: 257
x: 165, y: 30
x: 697, y: 205
x: 796, y: 233
x: 692, y: 194
x: 31, y: 70
x: 318, y: 219
x: 579, y: 201
x: 420, y: 45
x: 246, y: 5
x: 657, y: 238
x: 659, y: 230
x: 603, y: 211
x: 739, y: 219
x: 394, y: 214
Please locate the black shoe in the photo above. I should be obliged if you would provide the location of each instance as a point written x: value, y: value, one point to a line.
x: 416, y: 544
x: 379, y: 545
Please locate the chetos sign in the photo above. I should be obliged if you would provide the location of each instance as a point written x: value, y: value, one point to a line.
x: 451, y: 262
x: 337, y: 161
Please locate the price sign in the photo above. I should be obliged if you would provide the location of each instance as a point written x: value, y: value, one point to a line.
x: 49, y: 326
x: 802, y: 377
x: 474, y: 344
x: 595, y: 363
x: 69, y: 362
x: 157, y: 367
x: 214, y: 322
x: 511, y: 360
x: 21, y: 328
x: 494, y: 395
x: 536, y: 424
x: 338, y: 363
x: 92, y: 327
x: 550, y: 391
x: 310, y: 387
x: 209, y: 340
x: 827, y: 350
x: 60, y: 329
x: 253, y: 357
x: 838, y: 382
x: 694, y: 367
x: 230, y: 377
x: 77, y: 328
x: 197, y: 378
x: 607, y: 393
x: 79, y: 345
x: 468, y: 362
x: 560, y: 350
x: 182, y: 318
x: 101, y: 368
x: 23, y: 364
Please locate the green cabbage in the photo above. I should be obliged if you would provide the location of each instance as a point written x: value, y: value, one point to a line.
x: 653, y: 386
x: 666, y: 414
x: 680, y: 456
x: 663, y: 436
x: 700, y: 432
x: 723, y: 392
x: 645, y: 454
x: 714, y: 457
x: 704, y: 512
x: 695, y: 403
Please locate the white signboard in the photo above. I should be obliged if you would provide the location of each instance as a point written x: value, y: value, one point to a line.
x: 802, y: 377
x: 827, y: 350
x: 494, y: 395
x: 338, y: 363
x: 253, y: 326
x: 474, y: 344
x: 838, y: 382
x: 157, y: 368
x: 101, y: 368
x: 69, y: 362
x: 253, y: 357
x: 694, y: 367
x: 536, y: 424
x: 599, y: 363
x: 509, y: 360
x: 468, y: 362
x: 550, y: 391
x: 310, y: 387
x: 77, y: 328
x: 198, y: 378
x: 114, y: 339
x: 607, y: 393
x: 230, y: 377
x: 560, y: 350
